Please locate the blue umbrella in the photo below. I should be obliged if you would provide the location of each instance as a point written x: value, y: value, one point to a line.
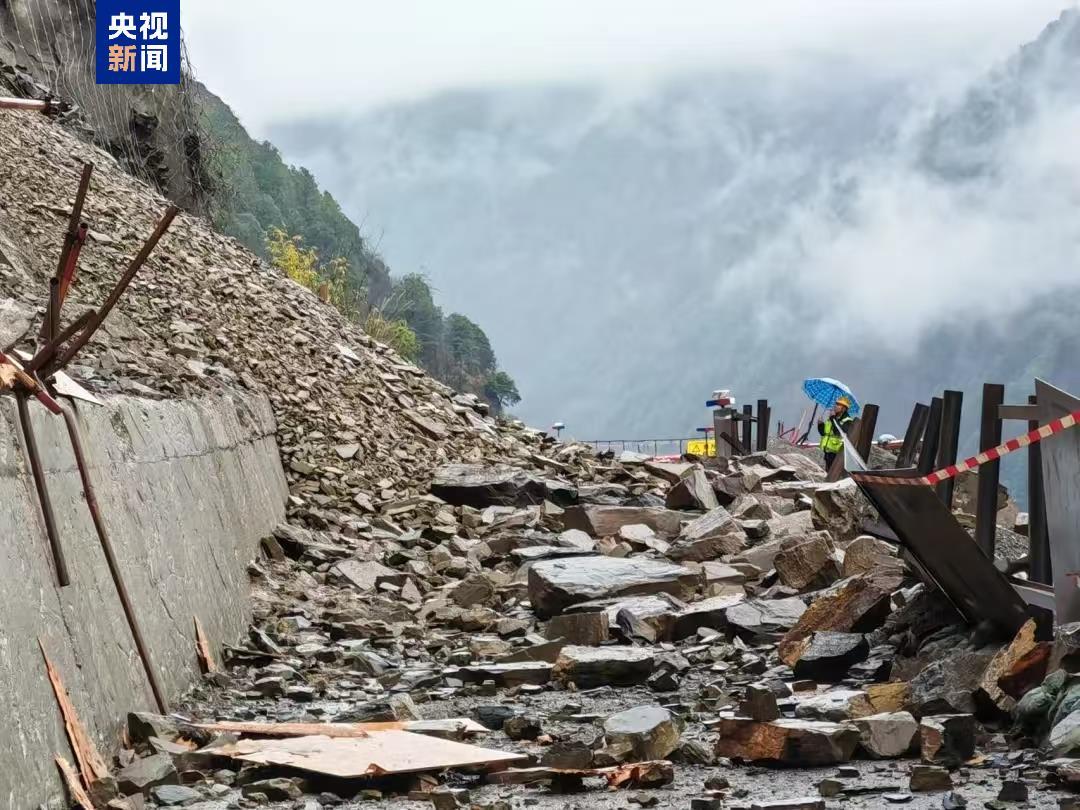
x: 825, y: 391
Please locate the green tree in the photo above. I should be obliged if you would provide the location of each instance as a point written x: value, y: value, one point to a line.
x: 500, y: 388
x: 279, y: 212
x: 468, y: 347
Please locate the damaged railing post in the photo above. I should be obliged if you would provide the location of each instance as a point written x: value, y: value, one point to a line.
x: 915, y: 429
x: 747, y: 425
x: 110, y: 558
x: 763, y: 417
x: 993, y: 396
x: 949, y: 441
x: 867, y: 428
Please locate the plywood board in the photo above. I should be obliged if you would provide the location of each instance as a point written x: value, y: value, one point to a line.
x: 380, y: 752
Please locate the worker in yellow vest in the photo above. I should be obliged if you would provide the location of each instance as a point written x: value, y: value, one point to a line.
x: 830, y: 427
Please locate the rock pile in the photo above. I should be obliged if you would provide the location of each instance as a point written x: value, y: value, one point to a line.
x: 606, y: 619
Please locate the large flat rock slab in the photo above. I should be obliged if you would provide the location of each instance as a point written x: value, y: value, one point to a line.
x: 605, y: 521
x: 555, y: 585
x: 480, y: 485
x: 587, y: 667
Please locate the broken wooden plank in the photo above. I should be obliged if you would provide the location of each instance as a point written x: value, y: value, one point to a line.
x: 377, y: 754
x: 92, y: 765
x: 463, y: 725
x: 75, y: 789
x: 202, y: 650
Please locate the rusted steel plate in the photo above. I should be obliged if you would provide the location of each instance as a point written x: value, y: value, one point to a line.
x: 379, y: 753
x: 1061, y: 488
x: 944, y: 552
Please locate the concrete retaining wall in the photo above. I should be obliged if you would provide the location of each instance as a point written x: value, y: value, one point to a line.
x: 187, y: 489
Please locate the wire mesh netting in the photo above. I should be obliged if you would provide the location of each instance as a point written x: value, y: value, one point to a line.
x: 47, y: 48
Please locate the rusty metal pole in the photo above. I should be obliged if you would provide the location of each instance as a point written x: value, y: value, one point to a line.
x: 1039, y: 566
x: 38, y: 471
x: 949, y: 441
x: 83, y: 337
x: 110, y: 558
x: 986, y: 506
x: 51, y: 325
x: 747, y: 425
x: 29, y: 104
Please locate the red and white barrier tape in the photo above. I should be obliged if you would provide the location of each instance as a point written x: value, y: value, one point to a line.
x: 994, y: 453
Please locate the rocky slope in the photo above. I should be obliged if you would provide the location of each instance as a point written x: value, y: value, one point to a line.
x: 46, y: 50
x: 591, y: 613
x: 205, y: 314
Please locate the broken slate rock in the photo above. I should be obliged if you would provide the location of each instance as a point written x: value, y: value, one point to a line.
x: 888, y: 735
x: 795, y: 743
x: 827, y: 656
x: 647, y: 732
x: 555, y: 585
x: 174, y: 795
x: 363, y: 575
x: 276, y: 790
x: 947, y: 739
x: 713, y: 535
x: 948, y: 685
x: 584, y: 629
x: 573, y: 755
x: 856, y: 605
x: 693, y: 491
x: 143, y: 774
x: 599, y: 666
x: 759, y: 703
x: 866, y: 553
x: 764, y: 616
x: 929, y: 777
x: 710, y: 613
x: 807, y: 563
x: 605, y: 521
x: 480, y: 486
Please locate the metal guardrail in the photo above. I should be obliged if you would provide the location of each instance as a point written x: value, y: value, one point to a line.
x: 655, y: 447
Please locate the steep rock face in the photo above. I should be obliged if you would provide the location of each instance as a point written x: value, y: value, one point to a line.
x: 47, y: 48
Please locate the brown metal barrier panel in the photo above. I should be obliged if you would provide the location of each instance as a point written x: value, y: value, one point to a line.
x: 944, y: 551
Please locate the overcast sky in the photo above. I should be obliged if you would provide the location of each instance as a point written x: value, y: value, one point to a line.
x: 278, y: 59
